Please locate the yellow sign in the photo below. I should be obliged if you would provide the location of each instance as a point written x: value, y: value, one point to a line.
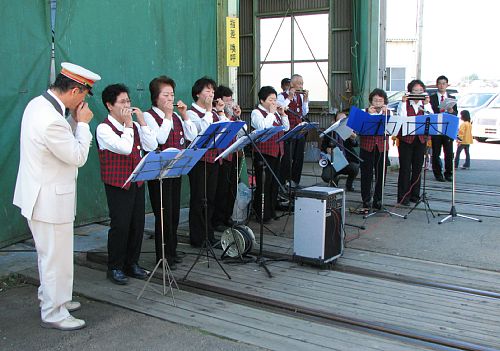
x: 233, y: 41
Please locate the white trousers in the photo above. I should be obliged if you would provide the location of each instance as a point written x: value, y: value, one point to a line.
x: 54, y: 246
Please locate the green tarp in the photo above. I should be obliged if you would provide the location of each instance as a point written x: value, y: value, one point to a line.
x: 127, y: 41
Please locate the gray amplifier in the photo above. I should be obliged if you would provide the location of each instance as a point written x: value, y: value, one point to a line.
x: 318, y: 235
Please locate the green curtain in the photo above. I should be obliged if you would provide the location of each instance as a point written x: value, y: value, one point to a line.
x: 25, y: 61
x: 131, y: 42
x: 359, y: 50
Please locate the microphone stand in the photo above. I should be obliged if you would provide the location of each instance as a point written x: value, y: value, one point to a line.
x: 453, y: 211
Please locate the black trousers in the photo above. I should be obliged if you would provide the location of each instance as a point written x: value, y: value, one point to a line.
x: 293, y: 149
x: 351, y: 171
x: 411, y: 159
x: 372, y: 161
x: 438, y: 142
x: 270, y: 186
x: 226, y: 192
x: 171, y: 193
x: 126, y: 211
x: 197, y: 218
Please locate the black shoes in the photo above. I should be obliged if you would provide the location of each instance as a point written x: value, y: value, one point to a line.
x: 414, y: 199
x: 440, y: 179
x: 377, y: 205
x: 117, y: 276
x: 448, y: 178
x: 367, y: 205
x: 135, y: 271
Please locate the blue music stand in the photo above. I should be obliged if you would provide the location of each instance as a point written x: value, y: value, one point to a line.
x: 217, y: 136
x: 299, y: 131
x: 366, y: 124
x: 170, y: 163
x: 430, y: 124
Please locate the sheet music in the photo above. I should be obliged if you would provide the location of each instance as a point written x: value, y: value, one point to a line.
x: 447, y: 104
x: 340, y: 127
x: 339, y: 160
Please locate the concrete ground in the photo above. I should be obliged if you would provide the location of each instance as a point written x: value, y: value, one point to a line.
x: 460, y: 242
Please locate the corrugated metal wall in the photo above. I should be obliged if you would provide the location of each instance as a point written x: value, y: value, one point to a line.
x: 340, y: 43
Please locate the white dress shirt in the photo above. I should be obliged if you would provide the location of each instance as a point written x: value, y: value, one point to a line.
x: 417, y: 105
x: 122, y: 145
x: 162, y: 133
x: 261, y: 122
x: 285, y: 102
x: 203, y: 122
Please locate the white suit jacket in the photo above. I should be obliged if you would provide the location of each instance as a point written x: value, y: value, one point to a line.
x: 51, y: 152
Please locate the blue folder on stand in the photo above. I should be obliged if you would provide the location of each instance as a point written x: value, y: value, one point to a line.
x: 299, y: 131
x: 218, y: 135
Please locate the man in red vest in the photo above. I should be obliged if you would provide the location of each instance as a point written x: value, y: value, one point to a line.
x: 171, y: 131
x: 121, y: 142
x: 296, y: 99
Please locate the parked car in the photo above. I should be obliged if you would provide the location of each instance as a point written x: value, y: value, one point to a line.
x: 475, y: 101
x: 487, y: 123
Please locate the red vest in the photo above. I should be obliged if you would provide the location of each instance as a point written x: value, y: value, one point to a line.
x: 370, y: 142
x: 176, y: 134
x: 410, y: 112
x: 116, y: 168
x: 296, y: 107
x: 272, y: 147
x: 211, y: 154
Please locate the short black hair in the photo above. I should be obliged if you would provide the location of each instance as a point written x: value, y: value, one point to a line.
x: 222, y: 91
x: 265, y: 91
x: 414, y: 82
x: 64, y: 84
x: 285, y: 81
x: 155, y: 86
x: 440, y: 78
x: 200, y: 84
x: 111, y: 92
x: 378, y: 92
x: 465, y: 114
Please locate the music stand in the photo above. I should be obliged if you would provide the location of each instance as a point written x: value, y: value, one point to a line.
x: 366, y: 124
x: 296, y: 133
x: 217, y: 136
x: 258, y: 136
x: 427, y: 125
x: 169, y: 163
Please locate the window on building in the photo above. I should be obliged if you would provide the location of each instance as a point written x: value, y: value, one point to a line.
x: 396, y: 78
x: 296, y: 44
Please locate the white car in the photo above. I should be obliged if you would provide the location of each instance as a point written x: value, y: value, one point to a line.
x: 487, y: 122
x: 474, y: 102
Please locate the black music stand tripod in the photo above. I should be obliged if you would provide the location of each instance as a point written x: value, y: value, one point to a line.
x: 162, y: 165
x: 429, y: 124
x: 216, y: 136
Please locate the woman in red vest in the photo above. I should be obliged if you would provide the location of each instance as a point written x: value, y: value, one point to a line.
x: 120, y: 143
x: 171, y: 131
x: 412, y: 147
x: 268, y: 114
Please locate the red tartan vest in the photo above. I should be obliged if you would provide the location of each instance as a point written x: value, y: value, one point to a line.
x: 272, y: 147
x: 296, y: 107
x: 410, y: 112
x: 176, y: 134
x: 116, y: 168
x: 211, y: 154
x: 370, y: 142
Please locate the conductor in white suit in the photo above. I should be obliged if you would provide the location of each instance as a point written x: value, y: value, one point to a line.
x: 51, y: 150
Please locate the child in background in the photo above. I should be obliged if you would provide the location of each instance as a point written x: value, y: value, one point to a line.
x: 465, y: 139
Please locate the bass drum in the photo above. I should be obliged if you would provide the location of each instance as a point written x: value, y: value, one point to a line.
x: 238, y: 239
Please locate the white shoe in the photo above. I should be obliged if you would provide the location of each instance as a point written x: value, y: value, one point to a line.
x: 72, y: 306
x: 70, y: 323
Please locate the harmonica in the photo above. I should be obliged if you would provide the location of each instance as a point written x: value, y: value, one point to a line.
x: 301, y: 91
x: 176, y: 105
x: 422, y: 96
